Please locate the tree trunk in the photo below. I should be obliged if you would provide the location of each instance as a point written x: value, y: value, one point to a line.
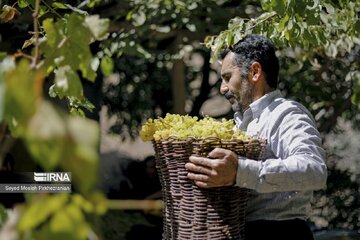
x: 178, y: 81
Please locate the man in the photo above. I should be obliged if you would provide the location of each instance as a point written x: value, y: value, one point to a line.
x: 293, y: 167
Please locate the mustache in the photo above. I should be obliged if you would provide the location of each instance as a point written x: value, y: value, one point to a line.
x: 229, y: 95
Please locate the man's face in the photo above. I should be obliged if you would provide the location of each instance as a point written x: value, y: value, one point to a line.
x: 237, y: 90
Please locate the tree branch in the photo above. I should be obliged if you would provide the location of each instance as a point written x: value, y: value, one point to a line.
x: 36, y: 34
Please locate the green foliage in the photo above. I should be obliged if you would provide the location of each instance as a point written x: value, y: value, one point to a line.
x: 355, y: 78
x: 318, y: 47
x: 60, y: 51
x: 306, y: 24
x: 68, y: 44
x: 324, y: 41
x: 22, y: 91
x: 64, y: 216
x: 144, y: 54
x: 107, y: 66
x: 3, y: 215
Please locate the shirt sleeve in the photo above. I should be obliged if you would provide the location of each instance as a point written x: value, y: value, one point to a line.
x: 298, y: 164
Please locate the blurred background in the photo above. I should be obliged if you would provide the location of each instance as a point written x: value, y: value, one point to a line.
x: 107, y: 66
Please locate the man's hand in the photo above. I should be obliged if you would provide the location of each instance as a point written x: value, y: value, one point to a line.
x: 218, y: 170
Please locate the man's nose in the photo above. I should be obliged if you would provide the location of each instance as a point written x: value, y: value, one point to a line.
x: 224, y: 87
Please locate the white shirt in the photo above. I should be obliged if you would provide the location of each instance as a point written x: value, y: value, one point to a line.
x: 293, y: 164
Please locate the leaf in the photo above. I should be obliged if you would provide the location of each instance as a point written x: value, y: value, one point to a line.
x: 67, y: 82
x: 8, y: 13
x: 324, y: 17
x: 61, y: 222
x: 138, y: 18
x: 99, y: 201
x: 230, y: 38
x: 2, y: 95
x: 313, y: 7
x: 23, y: 88
x: 290, y: 24
x: 23, y: 3
x: 53, y: 32
x: 36, y: 214
x: 3, y: 214
x: 3, y: 55
x: 78, y: 51
x: 81, y: 103
x: 329, y: 8
x: 69, y: 222
x: 46, y: 140
x: 83, y: 203
x: 98, y: 27
x: 282, y: 23
x: 58, y: 5
x: 7, y: 64
x: 93, y: 3
x: 28, y: 42
x: 82, y: 161
x: 68, y: 44
x: 236, y: 22
x: 279, y: 6
x: 266, y: 5
x: 355, y: 97
x: 107, y: 66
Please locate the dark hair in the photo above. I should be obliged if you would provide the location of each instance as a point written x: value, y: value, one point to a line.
x: 256, y: 48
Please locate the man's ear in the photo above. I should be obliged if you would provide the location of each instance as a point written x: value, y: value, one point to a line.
x: 255, y: 72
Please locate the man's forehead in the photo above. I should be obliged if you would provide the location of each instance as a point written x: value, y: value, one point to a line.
x: 228, y: 63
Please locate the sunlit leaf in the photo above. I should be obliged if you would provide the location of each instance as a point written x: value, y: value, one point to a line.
x: 81, y: 103
x: 107, y: 66
x: 70, y: 47
x: 138, y: 18
x: 78, y: 51
x: 61, y: 222
x: 83, y: 203
x: 46, y: 140
x: 93, y: 3
x: 70, y: 222
x: 59, y: 5
x: 99, y: 201
x: 324, y: 17
x: 282, y: 23
x: 36, y: 214
x: 23, y: 88
x: 82, y: 161
x: 23, y: 3
x: 329, y: 8
x: 316, y: 4
x: 77, y: 112
x: 98, y: 27
x: 67, y: 82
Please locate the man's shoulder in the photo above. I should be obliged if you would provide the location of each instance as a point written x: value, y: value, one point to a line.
x: 283, y: 105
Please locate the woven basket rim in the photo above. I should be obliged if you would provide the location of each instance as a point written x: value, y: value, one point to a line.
x: 211, y: 139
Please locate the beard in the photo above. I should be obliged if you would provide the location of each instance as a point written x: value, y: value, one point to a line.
x: 241, y: 100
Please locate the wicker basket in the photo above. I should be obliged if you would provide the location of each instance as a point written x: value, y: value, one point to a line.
x: 191, y: 212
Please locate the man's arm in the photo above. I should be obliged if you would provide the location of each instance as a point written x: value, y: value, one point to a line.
x: 299, y: 163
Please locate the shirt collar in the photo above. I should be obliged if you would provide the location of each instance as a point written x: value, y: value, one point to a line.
x: 260, y: 104
x: 256, y: 108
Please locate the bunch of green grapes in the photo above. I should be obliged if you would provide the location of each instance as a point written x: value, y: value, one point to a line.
x: 182, y: 126
x: 210, y: 127
x: 171, y: 125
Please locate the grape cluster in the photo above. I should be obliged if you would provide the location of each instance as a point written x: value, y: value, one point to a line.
x: 183, y: 126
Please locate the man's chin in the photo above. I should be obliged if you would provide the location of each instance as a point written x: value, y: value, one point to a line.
x: 236, y: 107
